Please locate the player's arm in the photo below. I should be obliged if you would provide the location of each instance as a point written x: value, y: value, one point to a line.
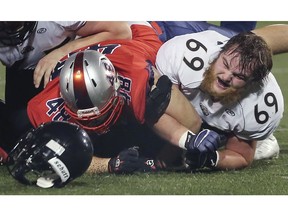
x: 276, y: 37
x: 98, y: 165
x: 127, y: 161
x: 179, y: 118
x: 182, y: 110
x: 237, y: 154
x: 179, y: 115
x: 90, y: 33
x: 101, y: 31
x: 94, y: 32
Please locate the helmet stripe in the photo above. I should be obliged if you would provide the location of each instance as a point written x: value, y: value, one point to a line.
x: 83, y: 100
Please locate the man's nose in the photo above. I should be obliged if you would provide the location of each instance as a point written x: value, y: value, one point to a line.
x: 227, y: 76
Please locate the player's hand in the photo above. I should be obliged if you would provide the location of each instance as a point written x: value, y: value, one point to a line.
x: 199, y: 160
x: 201, y: 149
x: 128, y: 161
x: 203, y: 142
x: 45, y: 67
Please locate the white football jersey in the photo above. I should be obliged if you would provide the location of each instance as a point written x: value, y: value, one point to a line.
x: 184, y: 59
x: 46, y: 37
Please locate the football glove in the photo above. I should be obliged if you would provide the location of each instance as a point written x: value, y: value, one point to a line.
x: 205, y: 141
x: 199, y: 160
x: 128, y: 161
x: 201, y: 149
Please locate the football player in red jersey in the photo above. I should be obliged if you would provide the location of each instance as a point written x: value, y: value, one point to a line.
x: 30, y: 50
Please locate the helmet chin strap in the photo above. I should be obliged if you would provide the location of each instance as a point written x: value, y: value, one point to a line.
x: 47, y: 181
x: 60, y: 173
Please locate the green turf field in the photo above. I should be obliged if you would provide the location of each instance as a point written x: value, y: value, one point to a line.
x: 268, y: 177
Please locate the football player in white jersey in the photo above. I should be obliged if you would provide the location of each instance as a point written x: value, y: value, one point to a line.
x: 30, y: 50
x: 229, y: 84
x: 268, y: 148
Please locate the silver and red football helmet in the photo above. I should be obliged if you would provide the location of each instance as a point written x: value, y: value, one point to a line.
x: 90, y: 86
x: 13, y: 33
x: 51, y: 155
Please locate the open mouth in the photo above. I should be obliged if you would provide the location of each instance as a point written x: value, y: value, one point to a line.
x: 222, y: 84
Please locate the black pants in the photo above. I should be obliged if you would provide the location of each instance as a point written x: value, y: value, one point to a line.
x: 19, y: 89
x: 121, y: 137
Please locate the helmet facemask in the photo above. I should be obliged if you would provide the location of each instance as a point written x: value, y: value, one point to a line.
x: 28, y: 163
x: 98, y: 121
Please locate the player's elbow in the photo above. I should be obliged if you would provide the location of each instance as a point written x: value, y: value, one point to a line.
x: 246, y: 162
x: 229, y: 160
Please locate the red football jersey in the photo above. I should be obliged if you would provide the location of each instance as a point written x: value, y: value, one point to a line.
x: 132, y: 60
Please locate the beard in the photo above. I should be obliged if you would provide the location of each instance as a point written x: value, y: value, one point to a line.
x: 229, y: 96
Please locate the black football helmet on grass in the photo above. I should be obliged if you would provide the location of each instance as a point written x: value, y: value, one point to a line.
x: 53, y: 154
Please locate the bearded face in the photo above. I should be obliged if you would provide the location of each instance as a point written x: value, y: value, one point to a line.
x: 227, y: 95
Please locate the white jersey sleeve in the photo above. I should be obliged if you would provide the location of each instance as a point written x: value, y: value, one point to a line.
x: 185, y: 58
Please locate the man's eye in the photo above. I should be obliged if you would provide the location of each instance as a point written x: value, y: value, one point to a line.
x: 241, y: 77
x: 225, y: 64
